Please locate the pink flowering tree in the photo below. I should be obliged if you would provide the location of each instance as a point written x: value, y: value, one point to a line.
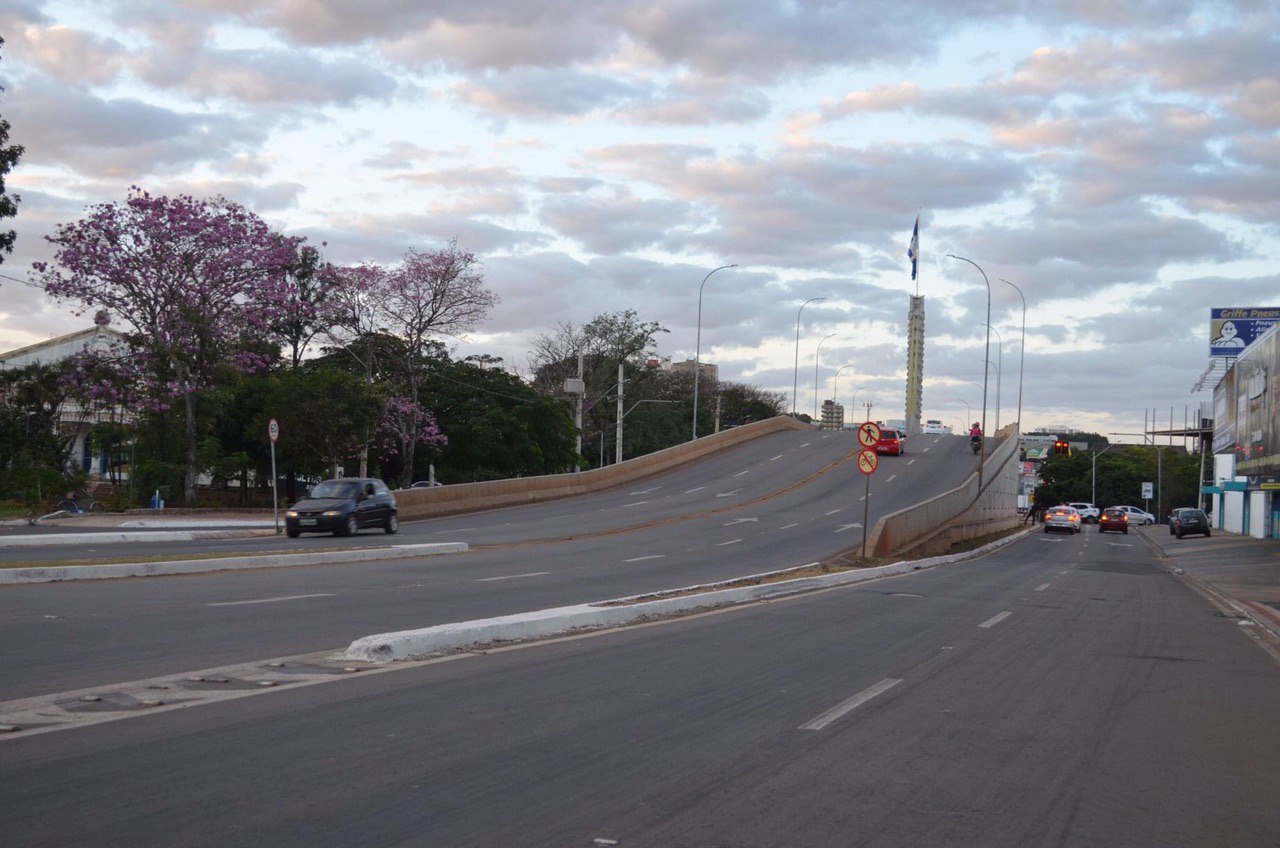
x: 406, y: 424
x: 199, y: 281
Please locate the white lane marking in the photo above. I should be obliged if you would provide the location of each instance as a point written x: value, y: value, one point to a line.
x: 789, y: 526
x: 848, y: 706
x: 691, y: 491
x: 834, y: 511
x: 1119, y: 545
x: 740, y: 521
x: 637, y: 503
x: 643, y: 558
x: 844, y: 527
x: 646, y: 491
x: 1042, y: 587
x: 730, y: 542
x: 926, y: 450
x: 776, y: 458
x: 270, y: 600
x: 995, y: 619
x: 912, y: 461
x: 806, y: 444
x: 891, y: 476
x: 455, y: 530
x: 511, y: 576
x: 727, y: 494
x: 1055, y: 541
x: 740, y: 473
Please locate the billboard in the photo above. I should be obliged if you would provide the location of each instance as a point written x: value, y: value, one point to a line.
x: 1258, y: 410
x: 1233, y: 329
x: 1224, y: 414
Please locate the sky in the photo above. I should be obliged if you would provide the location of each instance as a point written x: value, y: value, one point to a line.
x: 1118, y: 162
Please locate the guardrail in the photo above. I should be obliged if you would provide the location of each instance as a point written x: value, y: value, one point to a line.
x: 492, y: 494
x: 933, y: 526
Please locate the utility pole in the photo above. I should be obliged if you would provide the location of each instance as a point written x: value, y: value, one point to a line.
x: 618, y: 450
x: 577, y: 419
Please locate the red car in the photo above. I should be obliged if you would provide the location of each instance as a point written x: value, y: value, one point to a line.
x: 889, y: 443
x: 1113, y: 519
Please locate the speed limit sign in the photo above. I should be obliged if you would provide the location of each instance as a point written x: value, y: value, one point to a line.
x: 273, y: 430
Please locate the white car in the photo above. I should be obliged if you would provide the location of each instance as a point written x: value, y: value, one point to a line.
x: 1137, y: 516
x: 933, y: 427
x: 1088, y: 512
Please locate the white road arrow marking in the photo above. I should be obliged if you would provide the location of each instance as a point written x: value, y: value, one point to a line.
x: 844, y: 527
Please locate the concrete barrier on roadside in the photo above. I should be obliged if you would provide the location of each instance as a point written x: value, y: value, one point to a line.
x: 492, y: 494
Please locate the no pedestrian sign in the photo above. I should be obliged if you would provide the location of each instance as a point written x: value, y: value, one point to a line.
x: 868, y: 435
x: 868, y: 460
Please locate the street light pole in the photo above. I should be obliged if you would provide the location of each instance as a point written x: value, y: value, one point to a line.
x: 999, y: 370
x: 835, y: 388
x: 1093, y: 464
x: 1022, y: 348
x: 697, y: 356
x: 795, y: 379
x: 968, y: 413
x: 982, y: 457
x: 853, y: 401
x: 817, y: 353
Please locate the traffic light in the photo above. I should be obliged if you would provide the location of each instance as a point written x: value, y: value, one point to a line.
x: 1061, y: 448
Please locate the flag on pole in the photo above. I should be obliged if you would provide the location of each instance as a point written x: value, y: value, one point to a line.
x: 913, y: 252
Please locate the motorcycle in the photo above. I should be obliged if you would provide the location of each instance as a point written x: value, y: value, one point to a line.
x: 975, y: 443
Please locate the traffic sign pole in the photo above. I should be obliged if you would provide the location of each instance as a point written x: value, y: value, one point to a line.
x: 868, y: 462
x: 273, y: 432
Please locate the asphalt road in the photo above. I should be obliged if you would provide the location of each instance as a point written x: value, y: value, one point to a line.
x: 1064, y: 691
x: 744, y: 512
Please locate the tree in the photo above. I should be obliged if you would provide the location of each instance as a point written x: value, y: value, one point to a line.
x: 199, y: 281
x: 324, y: 414
x: 311, y: 305
x: 9, y: 156
x: 34, y: 454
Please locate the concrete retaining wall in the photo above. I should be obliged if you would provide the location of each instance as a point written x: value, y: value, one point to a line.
x: 469, y: 497
x: 932, y: 527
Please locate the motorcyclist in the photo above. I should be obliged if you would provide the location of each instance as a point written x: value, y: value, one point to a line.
x: 975, y: 432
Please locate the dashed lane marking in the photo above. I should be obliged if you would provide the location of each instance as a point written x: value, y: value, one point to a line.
x: 730, y: 542
x: 270, y: 600
x: 512, y: 576
x: 995, y: 619
x: 849, y: 705
x: 643, y: 558
x: 1042, y: 587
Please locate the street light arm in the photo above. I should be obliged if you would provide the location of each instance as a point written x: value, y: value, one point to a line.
x: 637, y: 403
x: 795, y: 377
x: 1022, y: 348
x: 697, y: 354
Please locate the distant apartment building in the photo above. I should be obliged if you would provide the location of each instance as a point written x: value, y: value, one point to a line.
x: 832, y: 416
x: 706, y: 371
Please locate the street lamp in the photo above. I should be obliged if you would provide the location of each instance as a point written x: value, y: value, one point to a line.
x: 1022, y: 348
x: 1093, y: 464
x: 816, y: 354
x: 795, y: 379
x: 853, y: 401
x: 697, y: 355
x: 999, y: 369
x: 986, y: 356
x: 835, y: 388
x: 968, y: 413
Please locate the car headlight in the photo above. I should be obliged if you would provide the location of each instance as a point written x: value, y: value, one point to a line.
x: 291, y: 513
x: 330, y: 513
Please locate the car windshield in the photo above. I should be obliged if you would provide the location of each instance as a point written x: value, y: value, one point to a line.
x: 334, y: 489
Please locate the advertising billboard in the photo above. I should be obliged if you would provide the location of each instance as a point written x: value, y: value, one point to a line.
x: 1232, y: 329
x: 1258, y: 409
x: 1224, y: 414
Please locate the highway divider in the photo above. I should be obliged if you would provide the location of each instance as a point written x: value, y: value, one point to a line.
x: 108, y: 571
x: 559, y: 621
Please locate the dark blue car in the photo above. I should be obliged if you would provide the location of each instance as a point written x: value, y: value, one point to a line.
x: 342, y: 507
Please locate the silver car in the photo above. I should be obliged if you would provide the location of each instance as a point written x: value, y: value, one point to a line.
x: 1137, y: 516
x: 1063, y: 519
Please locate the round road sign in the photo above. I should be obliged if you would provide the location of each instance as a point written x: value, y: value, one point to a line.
x: 273, y: 430
x: 868, y: 434
x: 868, y: 461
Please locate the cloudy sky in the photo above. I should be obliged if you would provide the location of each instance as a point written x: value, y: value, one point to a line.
x: 1119, y: 162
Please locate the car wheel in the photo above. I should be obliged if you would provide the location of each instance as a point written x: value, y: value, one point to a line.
x: 1046, y: 529
x: 352, y: 526
x: 1126, y: 531
x: 392, y: 525
x: 1178, y: 534
x: 1206, y: 534
x: 293, y: 534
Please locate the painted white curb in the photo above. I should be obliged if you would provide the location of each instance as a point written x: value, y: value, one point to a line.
x: 51, y: 574
x: 108, y: 536
x: 417, y: 644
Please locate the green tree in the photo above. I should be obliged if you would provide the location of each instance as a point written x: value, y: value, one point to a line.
x: 34, y: 453
x: 9, y: 156
x: 323, y: 415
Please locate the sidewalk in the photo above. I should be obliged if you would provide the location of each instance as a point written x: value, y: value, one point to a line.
x: 106, y: 527
x: 1241, y: 573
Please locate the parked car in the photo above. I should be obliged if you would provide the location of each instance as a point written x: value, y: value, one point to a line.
x: 1138, y: 516
x: 1062, y: 518
x: 426, y: 484
x: 1189, y: 520
x: 1088, y: 512
x: 342, y: 507
x: 1113, y: 519
x: 889, y: 443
